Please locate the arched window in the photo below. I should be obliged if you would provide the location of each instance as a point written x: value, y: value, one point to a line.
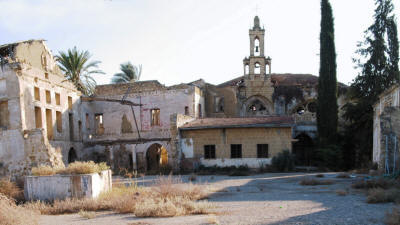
x: 256, y: 47
x: 257, y: 68
x: 246, y: 69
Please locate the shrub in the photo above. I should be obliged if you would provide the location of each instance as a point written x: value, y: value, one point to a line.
x: 10, y: 213
x: 375, y: 183
x: 284, y: 161
x: 313, y: 182
x: 320, y: 175
x: 87, y: 215
x: 330, y: 157
x: 341, y: 192
x: 393, y: 217
x: 10, y: 189
x: 343, y: 175
x: 379, y: 195
x: 239, y: 173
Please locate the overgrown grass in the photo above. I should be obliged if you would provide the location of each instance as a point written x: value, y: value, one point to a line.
x: 393, y: 217
x: 10, y: 189
x: 73, y: 168
x: 11, y: 214
x: 168, y: 197
x: 379, y: 195
x: 313, y: 182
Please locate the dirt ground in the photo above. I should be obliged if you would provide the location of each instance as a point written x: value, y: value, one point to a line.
x: 260, y: 199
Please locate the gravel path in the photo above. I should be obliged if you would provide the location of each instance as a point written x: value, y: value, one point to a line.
x: 261, y: 199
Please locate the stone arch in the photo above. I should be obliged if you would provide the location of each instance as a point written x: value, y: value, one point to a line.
x: 257, y: 105
x: 257, y: 68
x: 303, y: 149
x: 156, y: 156
x: 72, y: 157
x: 304, y: 104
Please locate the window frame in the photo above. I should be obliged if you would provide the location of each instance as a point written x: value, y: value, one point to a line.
x: 209, y: 152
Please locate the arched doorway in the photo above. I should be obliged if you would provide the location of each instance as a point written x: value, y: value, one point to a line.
x: 71, y: 155
x: 303, y: 150
x: 156, y: 156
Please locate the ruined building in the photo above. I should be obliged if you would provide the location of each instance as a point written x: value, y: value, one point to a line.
x: 146, y: 125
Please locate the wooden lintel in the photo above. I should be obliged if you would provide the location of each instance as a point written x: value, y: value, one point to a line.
x: 125, y: 141
x: 123, y: 102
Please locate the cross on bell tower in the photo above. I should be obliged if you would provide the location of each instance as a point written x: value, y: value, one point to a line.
x: 256, y: 63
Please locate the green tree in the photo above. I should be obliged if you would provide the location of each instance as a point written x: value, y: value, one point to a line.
x: 77, y: 69
x: 130, y: 73
x: 327, y: 111
x: 378, y: 63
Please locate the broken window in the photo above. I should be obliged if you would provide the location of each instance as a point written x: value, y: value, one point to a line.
x: 49, y: 124
x: 4, y: 116
x: 71, y: 126
x: 220, y: 106
x: 69, y: 102
x: 37, y: 93
x: 38, y: 117
x: 256, y: 47
x: 57, y: 97
x: 46, y: 75
x: 262, y: 150
x: 257, y: 68
x: 199, y: 110
x: 59, y: 121
x: 236, y: 151
x: 87, y: 121
x: 209, y: 151
x: 187, y: 110
x: 155, y: 117
x: 48, y: 97
x: 99, y: 123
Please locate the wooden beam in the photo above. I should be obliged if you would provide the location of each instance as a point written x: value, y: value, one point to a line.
x: 123, y: 102
x: 124, y: 141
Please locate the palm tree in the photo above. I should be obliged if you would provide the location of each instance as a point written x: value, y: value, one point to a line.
x: 130, y: 73
x: 78, y: 70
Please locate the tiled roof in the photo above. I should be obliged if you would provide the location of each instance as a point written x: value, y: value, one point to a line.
x: 210, y: 123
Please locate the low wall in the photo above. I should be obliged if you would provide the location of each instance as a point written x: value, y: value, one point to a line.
x: 49, y: 188
x: 252, y: 163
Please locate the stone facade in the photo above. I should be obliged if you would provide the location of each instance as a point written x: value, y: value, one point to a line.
x: 387, y: 131
x: 141, y: 125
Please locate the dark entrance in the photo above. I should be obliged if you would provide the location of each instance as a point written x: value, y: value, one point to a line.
x: 156, y: 156
x: 71, y: 155
x: 303, y: 150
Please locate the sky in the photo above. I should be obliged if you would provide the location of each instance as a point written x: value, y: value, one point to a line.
x: 178, y: 41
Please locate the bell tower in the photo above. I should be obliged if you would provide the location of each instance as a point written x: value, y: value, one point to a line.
x: 256, y: 93
x: 257, y: 64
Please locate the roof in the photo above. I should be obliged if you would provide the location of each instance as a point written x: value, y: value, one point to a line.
x: 283, y: 79
x: 215, y: 123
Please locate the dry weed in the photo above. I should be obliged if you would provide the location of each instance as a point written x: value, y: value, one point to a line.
x: 11, y: 214
x: 343, y: 175
x: 379, y: 195
x: 375, y: 183
x: 342, y: 192
x: 212, y: 219
x: 313, y: 182
x: 73, y: 168
x: 43, y: 170
x: 393, y: 217
x: 10, y: 189
x: 86, y: 214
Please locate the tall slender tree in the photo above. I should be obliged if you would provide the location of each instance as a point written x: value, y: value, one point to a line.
x: 77, y: 69
x: 130, y: 73
x: 327, y: 111
x: 378, y: 63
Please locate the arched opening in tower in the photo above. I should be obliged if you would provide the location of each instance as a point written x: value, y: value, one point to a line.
x: 257, y: 47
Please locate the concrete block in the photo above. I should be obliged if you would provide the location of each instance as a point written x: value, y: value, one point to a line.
x: 49, y: 188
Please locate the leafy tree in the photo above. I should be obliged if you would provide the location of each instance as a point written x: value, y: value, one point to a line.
x: 327, y: 111
x: 130, y: 73
x: 77, y: 69
x: 378, y: 63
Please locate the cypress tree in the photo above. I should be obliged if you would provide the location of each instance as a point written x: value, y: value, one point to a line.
x: 327, y: 111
